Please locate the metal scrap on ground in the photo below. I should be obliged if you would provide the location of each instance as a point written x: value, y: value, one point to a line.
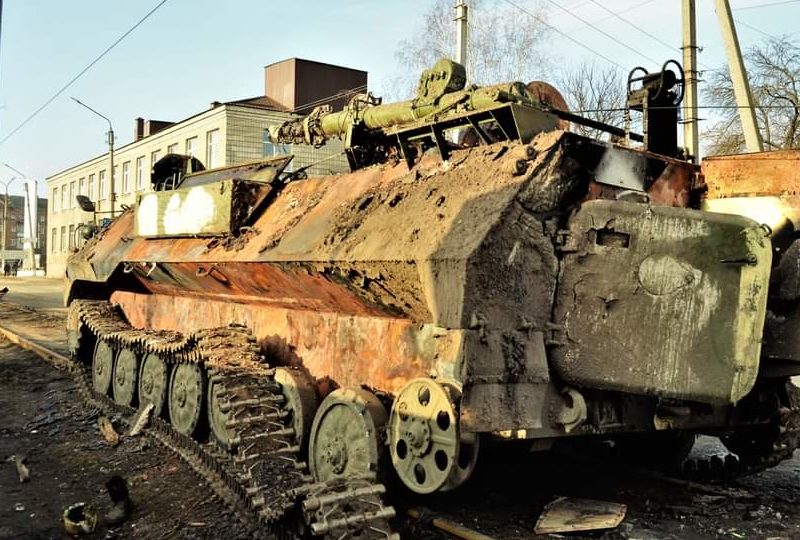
x: 567, y: 514
x: 107, y: 429
x: 141, y: 419
x: 450, y: 527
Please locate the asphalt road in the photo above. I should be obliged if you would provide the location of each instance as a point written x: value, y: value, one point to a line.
x: 36, y: 292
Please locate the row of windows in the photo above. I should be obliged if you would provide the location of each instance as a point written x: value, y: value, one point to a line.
x: 64, y: 197
x: 67, y: 238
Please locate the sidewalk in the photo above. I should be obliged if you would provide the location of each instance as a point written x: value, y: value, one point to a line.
x: 35, y: 292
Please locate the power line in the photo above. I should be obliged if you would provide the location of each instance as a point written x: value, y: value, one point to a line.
x: 751, y: 27
x: 767, y: 5
x: 338, y: 95
x: 661, y: 107
x: 606, y: 34
x: 82, y: 72
x: 564, y: 35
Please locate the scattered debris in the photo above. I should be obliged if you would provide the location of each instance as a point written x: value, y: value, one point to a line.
x: 445, y: 525
x: 22, y: 470
x: 79, y: 518
x: 141, y: 419
x: 107, y: 429
x: 567, y: 514
x: 122, y: 505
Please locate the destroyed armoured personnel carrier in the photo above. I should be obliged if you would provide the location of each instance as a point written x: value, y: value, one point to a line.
x: 482, y: 273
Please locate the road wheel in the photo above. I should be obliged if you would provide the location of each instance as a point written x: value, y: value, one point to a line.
x: 102, y: 367
x: 187, y: 395
x: 126, y: 372
x: 153, y: 383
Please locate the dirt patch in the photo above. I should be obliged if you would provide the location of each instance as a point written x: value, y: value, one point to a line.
x: 42, y: 418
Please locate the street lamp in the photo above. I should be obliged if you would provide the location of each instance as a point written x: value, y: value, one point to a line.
x: 32, y: 241
x: 5, y: 221
x: 112, y: 193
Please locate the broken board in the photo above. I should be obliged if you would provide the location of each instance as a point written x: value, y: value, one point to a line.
x: 567, y: 514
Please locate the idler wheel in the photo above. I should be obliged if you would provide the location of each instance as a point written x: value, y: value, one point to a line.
x: 424, y: 437
x: 153, y: 383
x: 126, y: 372
x: 186, y: 398
x: 301, y: 399
x: 219, y: 412
x: 102, y: 367
x: 345, y: 436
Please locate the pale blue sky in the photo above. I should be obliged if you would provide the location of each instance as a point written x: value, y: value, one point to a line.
x: 193, y: 52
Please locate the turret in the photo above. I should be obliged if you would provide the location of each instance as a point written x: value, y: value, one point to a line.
x: 372, y: 129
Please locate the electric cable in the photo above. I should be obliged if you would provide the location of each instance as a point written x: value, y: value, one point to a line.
x: 771, y: 4
x: 82, y: 72
x: 564, y: 35
x: 603, y: 32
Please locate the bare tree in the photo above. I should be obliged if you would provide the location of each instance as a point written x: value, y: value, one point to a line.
x: 504, y: 45
x: 596, y: 93
x: 773, y: 68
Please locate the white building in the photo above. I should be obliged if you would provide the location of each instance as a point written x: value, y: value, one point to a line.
x: 226, y: 134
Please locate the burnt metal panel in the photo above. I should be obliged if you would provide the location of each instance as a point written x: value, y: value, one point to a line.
x: 214, y: 209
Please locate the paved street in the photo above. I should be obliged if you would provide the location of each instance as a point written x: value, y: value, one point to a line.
x: 36, y: 292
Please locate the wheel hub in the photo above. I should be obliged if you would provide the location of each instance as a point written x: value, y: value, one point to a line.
x: 418, y: 434
x: 336, y: 455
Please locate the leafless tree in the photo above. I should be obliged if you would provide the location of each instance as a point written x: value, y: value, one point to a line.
x: 505, y: 44
x: 773, y: 68
x: 597, y: 93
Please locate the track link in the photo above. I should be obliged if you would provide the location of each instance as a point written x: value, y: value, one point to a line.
x: 780, y: 446
x: 262, y: 477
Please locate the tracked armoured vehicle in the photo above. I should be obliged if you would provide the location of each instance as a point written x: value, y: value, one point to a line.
x: 482, y: 273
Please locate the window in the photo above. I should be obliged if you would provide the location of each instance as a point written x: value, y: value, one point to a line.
x: 155, y: 156
x: 54, y: 200
x: 140, y: 172
x: 90, y: 192
x: 101, y: 185
x: 63, y: 238
x: 72, y: 194
x: 126, y: 177
x: 212, y: 142
x: 115, y: 180
x: 53, y: 238
x: 64, y: 197
x: 71, y: 237
x: 191, y: 146
x: 172, y: 149
x: 82, y: 186
x: 268, y: 149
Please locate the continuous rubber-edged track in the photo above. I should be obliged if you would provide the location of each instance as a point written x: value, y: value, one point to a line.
x: 262, y: 479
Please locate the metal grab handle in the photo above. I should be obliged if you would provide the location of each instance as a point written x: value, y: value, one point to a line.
x: 748, y: 260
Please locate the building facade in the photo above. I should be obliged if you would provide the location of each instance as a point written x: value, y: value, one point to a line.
x: 12, y: 252
x: 226, y: 134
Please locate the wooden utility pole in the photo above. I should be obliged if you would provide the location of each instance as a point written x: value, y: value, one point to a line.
x: 741, y: 88
x: 690, y: 121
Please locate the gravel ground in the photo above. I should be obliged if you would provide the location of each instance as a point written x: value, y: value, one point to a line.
x: 42, y: 418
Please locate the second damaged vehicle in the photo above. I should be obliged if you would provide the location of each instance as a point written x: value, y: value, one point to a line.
x: 481, y: 273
